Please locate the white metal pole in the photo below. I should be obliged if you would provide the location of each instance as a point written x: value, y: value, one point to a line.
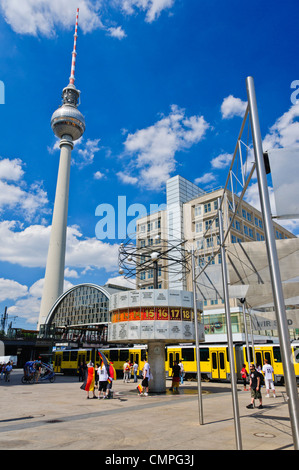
x: 284, y: 338
x: 200, y: 407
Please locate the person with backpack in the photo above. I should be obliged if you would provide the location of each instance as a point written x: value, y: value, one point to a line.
x: 255, y: 387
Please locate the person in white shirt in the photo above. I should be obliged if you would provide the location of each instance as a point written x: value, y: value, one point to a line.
x: 268, y: 373
x: 146, y: 377
x: 103, y: 380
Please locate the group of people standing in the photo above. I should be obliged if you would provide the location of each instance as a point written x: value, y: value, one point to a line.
x: 256, y: 378
x: 101, y: 376
x: 128, y: 368
x: 5, y: 370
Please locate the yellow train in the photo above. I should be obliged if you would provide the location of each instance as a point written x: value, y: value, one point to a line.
x: 214, y: 359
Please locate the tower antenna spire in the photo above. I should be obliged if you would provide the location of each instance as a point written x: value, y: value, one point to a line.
x: 74, y: 53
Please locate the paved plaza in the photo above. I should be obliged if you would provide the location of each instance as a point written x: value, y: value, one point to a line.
x: 58, y: 416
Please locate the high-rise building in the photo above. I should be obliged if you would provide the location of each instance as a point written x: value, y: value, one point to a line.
x: 191, y: 215
x: 68, y: 124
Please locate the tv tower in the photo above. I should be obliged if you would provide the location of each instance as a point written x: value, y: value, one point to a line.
x: 68, y: 124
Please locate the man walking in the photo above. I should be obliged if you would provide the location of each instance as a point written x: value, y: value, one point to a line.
x: 255, y: 387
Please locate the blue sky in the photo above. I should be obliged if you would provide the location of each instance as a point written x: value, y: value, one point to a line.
x: 163, y: 93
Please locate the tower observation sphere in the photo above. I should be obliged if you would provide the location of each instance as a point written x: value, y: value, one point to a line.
x: 67, y: 119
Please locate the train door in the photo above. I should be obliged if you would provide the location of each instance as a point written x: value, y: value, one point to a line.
x: 263, y: 354
x: 81, y: 358
x: 135, y: 356
x: 57, y: 362
x: 173, y: 355
x: 218, y: 363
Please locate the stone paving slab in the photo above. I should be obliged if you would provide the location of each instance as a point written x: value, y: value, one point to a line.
x: 58, y: 416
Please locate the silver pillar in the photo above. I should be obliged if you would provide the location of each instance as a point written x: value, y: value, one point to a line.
x: 200, y: 409
x: 284, y: 338
x: 246, y: 333
x: 233, y: 376
x: 156, y: 360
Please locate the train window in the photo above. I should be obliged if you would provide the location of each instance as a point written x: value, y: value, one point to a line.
x: 204, y: 354
x: 113, y: 355
x: 123, y: 354
x: 66, y: 356
x: 171, y: 360
x: 74, y: 355
x: 267, y: 356
x: 214, y: 361
x: 227, y: 354
x: 188, y: 354
x: 259, y: 361
x: 87, y: 356
x: 221, y: 358
x: 143, y: 354
x: 250, y: 353
x: 296, y: 354
x: 276, y: 353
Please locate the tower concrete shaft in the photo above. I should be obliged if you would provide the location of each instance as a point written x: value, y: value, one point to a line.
x: 54, y: 276
x: 68, y: 124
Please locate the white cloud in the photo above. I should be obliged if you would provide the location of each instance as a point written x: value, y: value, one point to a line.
x: 27, y: 202
x: 29, y: 247
x: 117, y: 32
x: 41, y: 17
x: 11, y: 170
x: 285, y: 131
x: 205, y: 179
x: 71, y: 273
x: 222, y: 161
x: 28, y: 306
x: 85, y: 156
x: 121, y: 281
x: 153, y: 8
x: 232, y: 106
x: 98, y: 175
x: 127, y: 179
x: 154, y: 147
x: 10, y: 289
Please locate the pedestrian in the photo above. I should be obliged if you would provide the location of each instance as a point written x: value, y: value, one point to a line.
x: 182, y: 372
x: 135, y: 370
x: 112, y: 376
x: 145, y: 377
x: 176, y: 372
x: 96, y: 375
x: 126, y: 370
x: 38, y: 369
x: 255, y: 387
x: 268, y: 373
x: 2, y: 370
x: 81, y: 372
x: 244, y: 375
x: 88, y: 384
x: 8, y: 369
x: 103, y: 380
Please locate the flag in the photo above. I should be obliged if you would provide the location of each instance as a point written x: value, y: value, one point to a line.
x: 109, y: 367
x: 140, y: 388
